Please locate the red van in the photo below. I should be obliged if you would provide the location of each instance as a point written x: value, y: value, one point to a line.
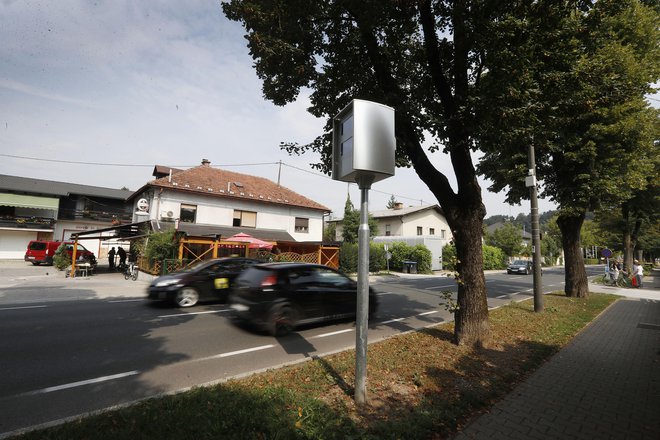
x: 40, y: 251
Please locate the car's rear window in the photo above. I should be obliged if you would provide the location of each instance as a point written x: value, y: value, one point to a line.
x: 255, y: 276
x: 37, y: 246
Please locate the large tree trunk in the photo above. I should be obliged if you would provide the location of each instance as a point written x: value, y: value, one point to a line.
x: 577, y: 284
x: 471, y: 318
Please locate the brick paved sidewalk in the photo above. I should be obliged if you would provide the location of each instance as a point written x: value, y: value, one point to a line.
x: 605, y: 384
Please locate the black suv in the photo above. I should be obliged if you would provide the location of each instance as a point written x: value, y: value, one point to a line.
x: 207, y: 280
x: 277, y: 297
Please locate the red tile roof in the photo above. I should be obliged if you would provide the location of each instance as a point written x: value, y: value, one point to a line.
x: 204, y: 179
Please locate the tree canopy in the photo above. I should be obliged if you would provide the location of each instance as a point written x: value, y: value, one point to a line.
x: 461, y: 75
x: 578, y: 95
x: 351, y: 223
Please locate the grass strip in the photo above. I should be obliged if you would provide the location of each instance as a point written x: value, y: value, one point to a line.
x: 420, y: 385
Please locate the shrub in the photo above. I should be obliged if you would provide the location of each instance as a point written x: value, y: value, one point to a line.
x: 377, y: 260
x: 161, y: 245
x: 494, y: 258
x: 348, y: 257
x: 61, y: 258
x: 403, y: 252
x: 449, y: 257
x: 399, y: 251
x: 422, y: 255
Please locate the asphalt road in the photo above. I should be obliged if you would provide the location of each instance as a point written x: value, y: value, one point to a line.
x: 74, y: 346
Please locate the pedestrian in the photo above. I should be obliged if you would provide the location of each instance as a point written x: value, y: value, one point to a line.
x: 615, y: 273
x: 111, y: 258
x: 638, y: 273
x: 122, y: 257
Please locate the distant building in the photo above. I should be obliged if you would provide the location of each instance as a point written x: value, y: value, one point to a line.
x: 35, y: 209
x: 413, y: 225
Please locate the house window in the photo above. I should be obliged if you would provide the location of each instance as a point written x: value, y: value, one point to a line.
x: 302, y: 224
x: 419, y: 230
x: 247, y: 219
x: 431, y: 231
x: 443, y: 234
x: 188, y: 213
x: 388, y: 231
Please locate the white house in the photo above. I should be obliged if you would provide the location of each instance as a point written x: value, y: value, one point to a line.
x: 204, y: 201
x: 413, y: 225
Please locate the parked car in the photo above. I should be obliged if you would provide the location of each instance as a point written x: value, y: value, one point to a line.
x: 278, y: 297
x: 520, y: 266
x: 42, y: 251
x: 207, y: 280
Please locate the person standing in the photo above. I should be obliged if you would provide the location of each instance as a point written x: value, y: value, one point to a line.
x: 615, y: 273
x: 122, y: 257
x: 111, y: 258
x: 638, y: 273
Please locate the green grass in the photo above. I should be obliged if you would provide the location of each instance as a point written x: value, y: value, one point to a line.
x: 420, y: 385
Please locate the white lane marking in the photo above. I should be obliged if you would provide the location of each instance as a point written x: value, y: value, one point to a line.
x: 338, y: 332
x: 126, y: 300
x: 386, y: 293
x: 234, y: 353
x: 195, y: 313
x: 392, y: 320
x: 428, y: 313
x: 81, y: 383
x: 22, y: 307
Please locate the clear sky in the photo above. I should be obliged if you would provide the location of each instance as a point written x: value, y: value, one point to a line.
x: 167, y: 82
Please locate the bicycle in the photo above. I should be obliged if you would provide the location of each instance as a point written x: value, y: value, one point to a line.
x: 131, y: 271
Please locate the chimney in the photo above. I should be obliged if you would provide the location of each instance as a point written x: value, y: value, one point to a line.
x: 206, y: 162
x: 398, y: 205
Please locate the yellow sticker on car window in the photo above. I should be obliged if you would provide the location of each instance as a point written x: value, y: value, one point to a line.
x: 221, y: 283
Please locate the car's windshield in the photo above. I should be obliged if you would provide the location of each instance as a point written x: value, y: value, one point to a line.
x: 519, y: 262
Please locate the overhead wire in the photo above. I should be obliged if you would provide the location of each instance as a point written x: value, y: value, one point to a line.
x: 316, y: 174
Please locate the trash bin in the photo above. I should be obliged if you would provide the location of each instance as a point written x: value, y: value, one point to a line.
x: 410, y: 266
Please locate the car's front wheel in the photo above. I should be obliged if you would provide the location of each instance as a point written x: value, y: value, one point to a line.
x: 187, y: 297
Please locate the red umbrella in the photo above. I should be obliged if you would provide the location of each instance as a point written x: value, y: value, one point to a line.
x: 255, y: 243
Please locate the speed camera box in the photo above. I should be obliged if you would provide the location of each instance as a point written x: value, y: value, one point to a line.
x: 363, y: 142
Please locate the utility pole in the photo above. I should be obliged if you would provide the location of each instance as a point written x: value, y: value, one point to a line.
x: 530, y: 182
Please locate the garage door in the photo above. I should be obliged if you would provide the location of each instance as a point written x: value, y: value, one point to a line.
x: 14, y: 243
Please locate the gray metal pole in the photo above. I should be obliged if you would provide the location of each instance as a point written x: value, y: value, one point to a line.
x: 536, y: 234
x: 362, y: 313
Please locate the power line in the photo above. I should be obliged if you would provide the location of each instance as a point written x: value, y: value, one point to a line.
x: 75, y: 162
x: 374, y: 190
x: 313, y: 173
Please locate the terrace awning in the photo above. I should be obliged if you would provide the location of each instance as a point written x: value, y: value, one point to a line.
x: 25, y: 201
